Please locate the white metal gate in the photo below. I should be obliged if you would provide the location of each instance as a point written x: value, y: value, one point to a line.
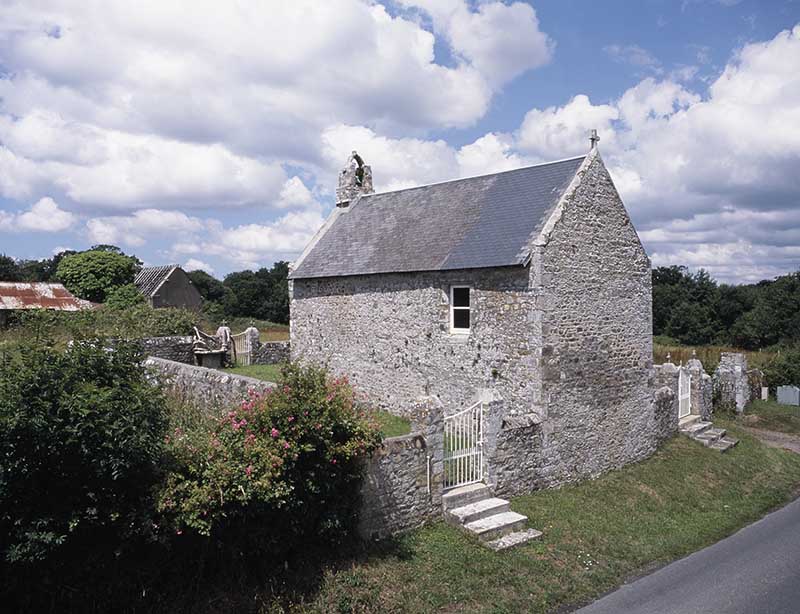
x: 684, y: 393
x: 463, y: 447
x: 241, y: 348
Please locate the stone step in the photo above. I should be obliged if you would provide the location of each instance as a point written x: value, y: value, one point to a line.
x: 497, y: 525
x: 724, y: 444
x: 696, y: 428
x: 464, y: 495
x: 476, y: 511
x: 513, y: 539
x: 687, y: 421
x: 707, y: 438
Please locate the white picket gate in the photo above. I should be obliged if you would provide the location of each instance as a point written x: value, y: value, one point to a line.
x: 241, y: 348
x: 463, y: 447
x: 684, y: 393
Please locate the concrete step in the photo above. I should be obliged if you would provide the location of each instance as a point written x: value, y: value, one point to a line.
x: 497, y: 525
x: 513, y: 539
x: 696, y: 428
x: 476, y: 511
x: 459, y: 497
x: 724, y: 444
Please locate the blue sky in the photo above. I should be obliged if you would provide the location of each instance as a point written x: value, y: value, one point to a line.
x: 212, y: 138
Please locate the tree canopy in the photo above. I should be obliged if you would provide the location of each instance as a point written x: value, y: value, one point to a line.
x: 694, y: 309
x: 93, y: 274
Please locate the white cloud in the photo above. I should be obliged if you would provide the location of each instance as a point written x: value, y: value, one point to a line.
x: 501, y: 40
x: 254, y: 245
x: 560, y: 132
x: 135, y: 229
x: 192, y: 264
x: 43, y: 216
x: 491, y: 153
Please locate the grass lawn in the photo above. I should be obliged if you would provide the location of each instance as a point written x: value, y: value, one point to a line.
x: 268, y: 373
x: 596, y: 534
x: 771, y: 416
x: 391, y: 425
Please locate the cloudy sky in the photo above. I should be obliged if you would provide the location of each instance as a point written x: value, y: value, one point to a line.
x: 210, y: 133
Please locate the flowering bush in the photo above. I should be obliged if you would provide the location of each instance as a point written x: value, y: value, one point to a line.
x: 282, y: 465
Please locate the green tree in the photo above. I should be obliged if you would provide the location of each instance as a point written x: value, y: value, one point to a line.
x: 209, y: 287
x: 9, y: 269
x: 93, y: 274
x: 125, y: 297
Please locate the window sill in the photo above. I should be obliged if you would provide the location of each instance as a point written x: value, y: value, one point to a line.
x: 458, y: 337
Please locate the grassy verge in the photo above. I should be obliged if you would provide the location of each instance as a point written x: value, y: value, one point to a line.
x: 771, y: 416
x: 391, y: 425
x: 268, y: 373
x: 595, y: 534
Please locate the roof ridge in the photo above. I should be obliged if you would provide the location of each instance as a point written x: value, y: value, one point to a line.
x: 510, y: 170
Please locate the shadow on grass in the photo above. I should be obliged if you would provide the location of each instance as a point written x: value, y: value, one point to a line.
x: 191, y: 576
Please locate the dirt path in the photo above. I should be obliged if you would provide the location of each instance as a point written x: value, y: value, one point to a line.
x: 776, y: 439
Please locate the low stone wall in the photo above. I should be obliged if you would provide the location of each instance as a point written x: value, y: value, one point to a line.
x: 403, y: 479
x: 270, y: 353
x: 395, y: 493
x: 210, y: 388
x: 177, y: 348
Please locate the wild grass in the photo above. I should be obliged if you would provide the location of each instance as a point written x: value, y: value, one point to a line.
x: 772, y: 416
x: 709, y: 355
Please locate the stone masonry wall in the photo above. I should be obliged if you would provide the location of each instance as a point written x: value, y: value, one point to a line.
x: 208, y: 388
x: 394, y: 494
x: 177, y: 348
x: 597, y: 406
x: 391, y: 335
x: 270, y: 353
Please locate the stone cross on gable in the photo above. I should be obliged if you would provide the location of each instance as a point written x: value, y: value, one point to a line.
x: 594, y: 139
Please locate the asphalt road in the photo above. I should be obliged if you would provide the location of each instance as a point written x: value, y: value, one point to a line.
x: 754, y: 571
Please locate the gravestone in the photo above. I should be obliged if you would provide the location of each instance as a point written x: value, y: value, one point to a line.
x: 788, y: 395
x: 764, y: 393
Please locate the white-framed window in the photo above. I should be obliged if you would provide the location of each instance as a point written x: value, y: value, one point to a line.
x: 460, y: 316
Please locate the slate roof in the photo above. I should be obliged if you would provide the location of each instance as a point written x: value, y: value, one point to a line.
x: 39, y: 295
x: 478, y: 222
x: 150, y: 278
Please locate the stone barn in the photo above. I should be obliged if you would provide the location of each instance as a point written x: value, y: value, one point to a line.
x: 168, y: 286
x: 525, y: 293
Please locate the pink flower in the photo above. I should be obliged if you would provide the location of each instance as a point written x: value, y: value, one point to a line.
x: 274, y: 433
x: 249, y: 470
x: 285, y: 445
x: 333, y: 461
x: 291, y: 418
x: 178, y: 532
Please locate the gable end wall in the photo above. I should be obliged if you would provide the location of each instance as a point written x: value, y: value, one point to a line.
x: 177, y: 291
x: 596, y: 334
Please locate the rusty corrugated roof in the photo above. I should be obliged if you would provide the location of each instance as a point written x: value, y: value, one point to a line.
x: 39, y: 295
